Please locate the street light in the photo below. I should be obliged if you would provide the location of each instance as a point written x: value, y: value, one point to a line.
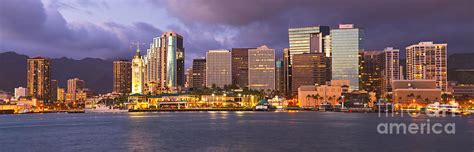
x: 342, y: 102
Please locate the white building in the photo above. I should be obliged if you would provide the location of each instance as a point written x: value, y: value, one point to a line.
x: 392, y: 68
x: 218, y: 68
x: 21, y: 92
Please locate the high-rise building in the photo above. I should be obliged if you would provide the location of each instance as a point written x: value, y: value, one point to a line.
x: 39, y: 78
x: 391, y: 68
x: 372, y: 72
x: 137, y: 73
x: 122, y: 76
x: 304, y: 40
x: 308, y: 69
x: 286, y: 71
x: 261, y: 65
x: 199, y: 73
x: 346, y: 43
x: 54, y: 89
x: 61, y: 94
x: 279, y: 76
x: 218, y: 68
x: 164, y: 62
x: 240, y: 66
x: 307, y: 40
x: 21, y: 92
x: 74, y: 86
x: 427, y: 61
x: 189, y: 77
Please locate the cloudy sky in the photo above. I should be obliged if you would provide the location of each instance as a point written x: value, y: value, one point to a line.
x: 105, y: 28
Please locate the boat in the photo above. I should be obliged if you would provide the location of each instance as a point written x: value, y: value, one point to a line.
x: 437, y: 108
x: 104, y: 109
x: 261, y: 108
x: 433, y: 108
x: 450, y: 108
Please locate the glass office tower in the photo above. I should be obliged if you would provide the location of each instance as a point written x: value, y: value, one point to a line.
x: 346, y: 45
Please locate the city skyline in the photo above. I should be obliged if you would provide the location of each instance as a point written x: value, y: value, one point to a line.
x: 219, y: 30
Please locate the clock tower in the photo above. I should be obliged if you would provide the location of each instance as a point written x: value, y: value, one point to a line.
x: 137, y: 73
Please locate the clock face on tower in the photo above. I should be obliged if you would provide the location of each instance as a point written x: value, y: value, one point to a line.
x: 136, y: 70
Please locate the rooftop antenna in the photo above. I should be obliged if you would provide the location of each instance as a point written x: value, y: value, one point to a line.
x: 138, y: 45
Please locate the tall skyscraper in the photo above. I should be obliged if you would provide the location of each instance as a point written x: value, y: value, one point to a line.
x: 307, y: 39
x: 391, y: 68
x: 279, y: 76
x: 261, y: 65
x: 287, y: 71
x: 137, y: 73
x: 218, y: 68
x: 372, y: 71
x: 54, y: 90
x: 74, y: 86
x: 164, y: 62
x: 199, y: 73
x: 308, y: 69
x: 346, y: 45
x: 39, y: 78
x: 304, y: 40
x: 240, y: 66
x: 427, y: 61
x: 122, y: 76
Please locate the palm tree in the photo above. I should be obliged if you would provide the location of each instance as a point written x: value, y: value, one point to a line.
x: 427, y: 100
x: 444, y: 97
x: 307, y: 97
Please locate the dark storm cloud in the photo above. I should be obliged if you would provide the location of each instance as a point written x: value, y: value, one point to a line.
x: 386, y: 22
x: 31, y: 29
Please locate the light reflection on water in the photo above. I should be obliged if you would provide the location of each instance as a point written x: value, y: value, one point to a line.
x: 221, y: 131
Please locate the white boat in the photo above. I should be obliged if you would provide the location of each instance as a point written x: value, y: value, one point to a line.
x: 104, y: 109
x: 433, y: 108
x: 450, y: 108
x: 438, y: 108
x: 261, y: 107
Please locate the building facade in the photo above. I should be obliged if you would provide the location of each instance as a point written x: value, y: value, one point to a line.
x: 279, y: 76
x: 164, y: 62
x: 189, y: 77
x: 372, y: 72
x: 419, y: 92
x: 122, y: 77
x: 308, y: 69
x: 199, y: 73
x: 427, y: 61
x: 39, y: 78
x: 240, y: 66
x: 286, y: 72
x: 218, y: 68
x: 346, y: 43
x: 315, y: 95
x: 74, y: 86
x: 261, y: 68
x: 54, y: 89
x: 391, y: 69
x: 61, y: 94
x: 21, y: 92
x: 307, y: 40
x: 137, y: 73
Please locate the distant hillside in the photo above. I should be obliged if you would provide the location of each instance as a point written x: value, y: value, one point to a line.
x: 12, y: 71
x: 461, y: 61
x: 461, y: 68
x: 97, y: 73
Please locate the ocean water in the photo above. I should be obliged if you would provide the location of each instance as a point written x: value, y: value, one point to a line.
x: 225, y: 131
